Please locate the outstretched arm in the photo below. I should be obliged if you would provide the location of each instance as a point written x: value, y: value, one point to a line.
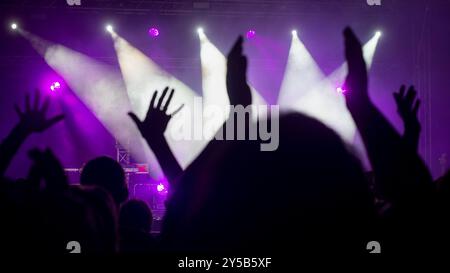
x: 32, y: 120
x: 238, y: 90
x: 407, y: 107
x: 400, y: 173
x: 152, y: 129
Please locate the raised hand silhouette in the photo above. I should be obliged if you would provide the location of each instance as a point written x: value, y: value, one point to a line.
x: 155, y: 123
x: 34, y: 119
x: 357, y: 79
x: 408, y: 106
x: 238, y: 90
x: 401, y: 176
x: 152, y: 129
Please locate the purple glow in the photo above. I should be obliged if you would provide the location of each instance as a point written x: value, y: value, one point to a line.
x: 55, y: 86
x: 251, y: 34
x: 154, y: 32
x: 340, y: 90
x: 160, y: 187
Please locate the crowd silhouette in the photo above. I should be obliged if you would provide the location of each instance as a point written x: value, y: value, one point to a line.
x: 311, y: 193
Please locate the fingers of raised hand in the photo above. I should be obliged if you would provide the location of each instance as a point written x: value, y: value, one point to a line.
x: 416, y: 107
x: 27, y: 103
x: 166, y: 106
x: 152, y: 101
x: 50, y: 122
x: 36, y: 104
x: 161, y: 99
x: 410, y: 96
x: 134, y: 118
x: 37, y: 98
x: 176, y: 111
x: 399, y: 96
x: 18, y: 110
x: 45, y: 105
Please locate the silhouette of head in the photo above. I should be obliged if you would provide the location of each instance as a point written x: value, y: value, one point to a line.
x: 51, y: 219
x: 311, y: 183
x: 135, y: 215
x: 106, y: 173
x: 100, y: 217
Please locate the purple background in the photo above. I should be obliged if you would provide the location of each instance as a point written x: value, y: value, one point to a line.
x: 406, y: 25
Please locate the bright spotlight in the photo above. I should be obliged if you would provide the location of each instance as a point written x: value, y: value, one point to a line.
x: 341, y: 90
x: 294, y: 32
x: 14, y: 26
x: 160, y: 187
x: 305, y: 89
x: 109, y: 28
x: 337, y: 77
x: 153, y: 32
x: 201, y: 34
x: 142, y: 76
x: 250, y: 34
x: 214, y: 71
x: 98, y: 86
x: 55, y: 86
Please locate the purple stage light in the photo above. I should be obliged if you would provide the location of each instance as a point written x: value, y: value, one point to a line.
x: 55, y: 86
x: 160, y: 187
x: 251, y: 34
x: 340, y: 90
x: 153, y: 32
